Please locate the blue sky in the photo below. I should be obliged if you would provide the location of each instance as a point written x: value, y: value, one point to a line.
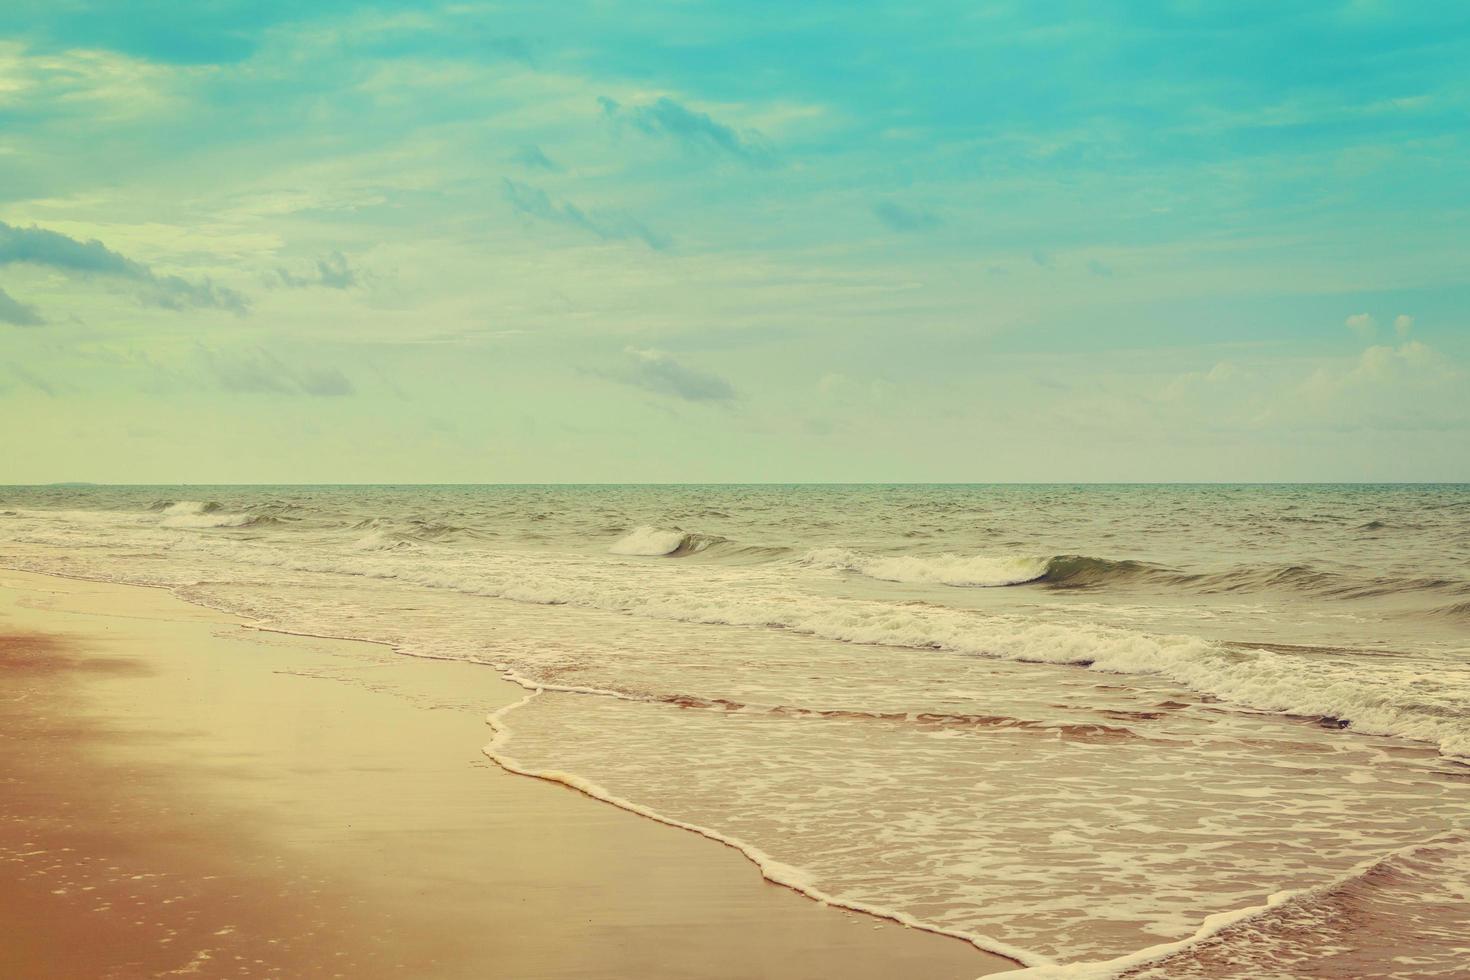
x: 260, y: 242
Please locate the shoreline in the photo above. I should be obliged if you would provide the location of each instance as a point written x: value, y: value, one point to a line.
x: 308, y: 799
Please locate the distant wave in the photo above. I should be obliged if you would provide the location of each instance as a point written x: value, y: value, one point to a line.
x: 979, y: 571
x: 1086, y: 571
x: 655, y: 542
x: 1455, y: 611
x: 174, y: 508
x: 1309, y: 580
x: 199, y: 514
x: 212, y: 520
x: 385, y: 533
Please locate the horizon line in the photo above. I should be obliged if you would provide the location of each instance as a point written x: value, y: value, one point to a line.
x: 84, y: 484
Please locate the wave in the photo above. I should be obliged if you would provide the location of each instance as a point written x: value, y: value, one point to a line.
x: 199, y: 514
x: 1456, y: 610
x: 1413, y: 894
x: 1308, y: 686
x: 379, y: 539
x: 924, y: 720
x: 1079, y: 571
x: 777, y: 872
x: 1087, y: 571
x: 655, y: 542
x: 1318, y: 582
x: 1411, y: 704
x: 184, y: 508
x: 212, y: 519
x: 980, y: 571
x: 385, y: 533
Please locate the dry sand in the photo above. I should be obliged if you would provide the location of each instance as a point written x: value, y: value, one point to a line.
x: 186, y: 796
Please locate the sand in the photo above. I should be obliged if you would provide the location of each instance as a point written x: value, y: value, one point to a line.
x: 183, y: 795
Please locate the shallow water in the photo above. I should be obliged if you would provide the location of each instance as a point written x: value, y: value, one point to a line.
x: 1070, y: 723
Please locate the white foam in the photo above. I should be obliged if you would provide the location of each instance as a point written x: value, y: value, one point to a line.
x: 200, y: 514
x: 649, y: 541
x: 777, y: 872
x: 187, y: 507
x: 1210, y: 927
x: 1400, y: 698
x: 201, y: 519
x: 974, y: 571
x: 380, y: 539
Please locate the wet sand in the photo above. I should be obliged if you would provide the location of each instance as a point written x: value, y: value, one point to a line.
x: 186, y: 796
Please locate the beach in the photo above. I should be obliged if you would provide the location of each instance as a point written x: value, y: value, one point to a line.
x: 593, y: 731
x: 188, y: 796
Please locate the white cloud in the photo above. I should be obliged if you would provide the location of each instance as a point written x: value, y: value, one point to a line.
x: 103, y: 84
x: 1402, y: 324
x: 1202, y: 382
x: 1411, y: 386
x: 1361, y: 324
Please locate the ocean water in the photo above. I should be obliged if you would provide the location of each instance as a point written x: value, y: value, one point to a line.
x: 1164, y: 731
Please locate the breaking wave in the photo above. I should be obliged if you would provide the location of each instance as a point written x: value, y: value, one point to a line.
x: 1454, y: 611
x: 199, y: 514
x: 657, y: 542
x: 980, y: 571
x: 1087, y: 571
x: 1305, y: 685
x: 183, y: 508
x: 211, y: 520
x: 387, y: 534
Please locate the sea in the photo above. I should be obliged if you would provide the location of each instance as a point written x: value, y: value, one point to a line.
x: 1114, y: 730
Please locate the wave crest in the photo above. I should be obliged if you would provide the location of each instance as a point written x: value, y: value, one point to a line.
x: 978, y: 571
x: 656, y: 542
x: 197, y: 514
x: 1080, y: 571
x: 184, y: 508
x: 208, y: 520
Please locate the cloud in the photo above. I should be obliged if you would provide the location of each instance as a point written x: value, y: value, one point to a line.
x: 1411, y: 386
x: 1361, y: 324
x: 531, y: 157
x: 258, y: 372
x: 1402, y: 324
x: 536, y: 203
x: 32, y: 380
x: 658, y: 372
x: 1100, y: 269
x: 1202, y: 383
x: 41, y: 246
x: 15, y: 312
x: 332, y: 271
x: 325, y: 383
x: 901, y: 218
x: 694, y: 129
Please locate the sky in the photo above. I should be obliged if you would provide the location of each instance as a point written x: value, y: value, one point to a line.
x: 258, y: 241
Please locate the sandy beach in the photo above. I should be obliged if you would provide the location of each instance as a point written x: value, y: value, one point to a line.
x: 188, y: 796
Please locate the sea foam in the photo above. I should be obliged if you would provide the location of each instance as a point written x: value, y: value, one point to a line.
x: 652, y: 541
x: 979, y: 571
